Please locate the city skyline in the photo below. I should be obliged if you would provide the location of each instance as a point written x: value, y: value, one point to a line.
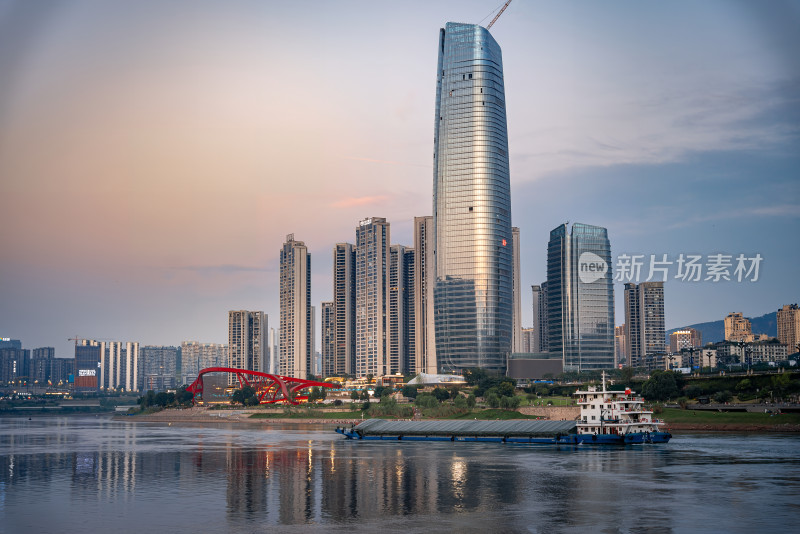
x: 124, y: 161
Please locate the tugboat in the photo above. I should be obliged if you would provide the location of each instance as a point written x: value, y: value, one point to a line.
x: 616, y: 417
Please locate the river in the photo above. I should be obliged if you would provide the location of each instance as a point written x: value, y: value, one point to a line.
x: 97, y: 474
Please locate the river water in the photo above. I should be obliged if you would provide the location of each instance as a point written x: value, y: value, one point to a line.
x: 96, y: 474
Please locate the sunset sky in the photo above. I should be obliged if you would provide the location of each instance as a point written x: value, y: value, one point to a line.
x: 154, y: 154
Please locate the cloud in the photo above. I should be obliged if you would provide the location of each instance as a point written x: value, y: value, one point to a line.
x: 354, y: 202
x: 224, y: 269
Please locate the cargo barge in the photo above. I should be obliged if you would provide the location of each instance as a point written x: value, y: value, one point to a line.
x: 606, y: 418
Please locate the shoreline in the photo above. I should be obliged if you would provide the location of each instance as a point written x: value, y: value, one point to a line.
x: 194, y: 416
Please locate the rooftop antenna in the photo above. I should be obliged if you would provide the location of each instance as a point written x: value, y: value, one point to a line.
x: 489, y: 26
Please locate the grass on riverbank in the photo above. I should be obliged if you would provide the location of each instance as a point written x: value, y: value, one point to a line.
x: 703, y: 417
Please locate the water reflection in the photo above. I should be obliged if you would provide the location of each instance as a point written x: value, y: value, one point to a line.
x: 245, y: 478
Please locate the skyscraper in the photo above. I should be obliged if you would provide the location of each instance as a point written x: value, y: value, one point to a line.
x: 328, y: 339
x: 296, y: 348
x: 517, y: 292
x: 344, y: 309
x: 247, y: 341
x: 540, y: 342
x: 471, y: 203
x: 424, y: 336
x: 372, y: 296
x: 644, y: 321
x: 580, y: 297
x: 400, y: 333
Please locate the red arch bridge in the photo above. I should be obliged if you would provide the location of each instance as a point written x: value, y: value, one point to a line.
x: 269, y: 388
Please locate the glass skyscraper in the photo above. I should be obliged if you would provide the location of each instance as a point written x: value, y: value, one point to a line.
x: 471, y: 203
x: 580, y: 297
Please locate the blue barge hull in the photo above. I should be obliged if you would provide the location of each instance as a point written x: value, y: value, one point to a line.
x: 521, y: 431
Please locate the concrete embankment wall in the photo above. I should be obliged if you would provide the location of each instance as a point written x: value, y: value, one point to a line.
x: 554, y: 413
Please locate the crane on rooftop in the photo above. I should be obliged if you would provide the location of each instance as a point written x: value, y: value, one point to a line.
x: 498, y: 15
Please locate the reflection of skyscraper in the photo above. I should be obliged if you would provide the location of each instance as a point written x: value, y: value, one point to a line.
x: 580, y: 297
x: 296, y: 339
x: 372, y: 296
x: 471, y: 203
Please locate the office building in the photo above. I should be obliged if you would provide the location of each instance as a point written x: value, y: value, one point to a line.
x: 87, y: 366
x: 471, y: 203
x: 247, y: 342
x: 580, y: 297
x: 424, y: 281
x: 737, y: 328
x: 14, y: 364
x: 644, y: 321
x: 788, y: 318
x: 296, y: 336
x: 372, y: 297
x: 344, y: 309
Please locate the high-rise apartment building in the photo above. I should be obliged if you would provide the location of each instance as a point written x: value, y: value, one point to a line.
x: 737, y: 328
x: 471, y: 203
x: 528, y: 343
x: 400, y: 332
x: 196, y: 356
x: 159, y: 367
x: 328, y: 338
x: 344, y: 309
x: 296, y: 349
x: 516, y: 320
x: 684, y: 339
x: 120, y: 365
x: 788, y: 318
x: 372, y: 297
x: 580, y: 297
x: 424, y: 280
x: 644, y: 321
x: 247, y: 342
x: 540, y: 341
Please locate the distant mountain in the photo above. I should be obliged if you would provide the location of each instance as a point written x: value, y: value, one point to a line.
x: 715, y: 330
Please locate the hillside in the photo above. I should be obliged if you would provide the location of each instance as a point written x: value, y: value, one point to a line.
x: 715, y: 330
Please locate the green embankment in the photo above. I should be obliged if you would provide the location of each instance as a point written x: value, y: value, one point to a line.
x: 703, y: 417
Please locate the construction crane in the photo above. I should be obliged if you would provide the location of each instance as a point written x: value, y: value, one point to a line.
x: 498, y: 15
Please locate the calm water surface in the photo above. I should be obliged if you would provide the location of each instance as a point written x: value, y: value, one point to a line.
x: 95, y: 474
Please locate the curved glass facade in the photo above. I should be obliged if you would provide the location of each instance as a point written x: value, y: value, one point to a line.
x: 471, y: 203
x: 580, y: 297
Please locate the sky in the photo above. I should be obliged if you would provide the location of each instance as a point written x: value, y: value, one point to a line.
x: 155, y: 154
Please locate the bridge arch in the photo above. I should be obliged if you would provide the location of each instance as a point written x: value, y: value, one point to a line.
x: 270, y: 389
